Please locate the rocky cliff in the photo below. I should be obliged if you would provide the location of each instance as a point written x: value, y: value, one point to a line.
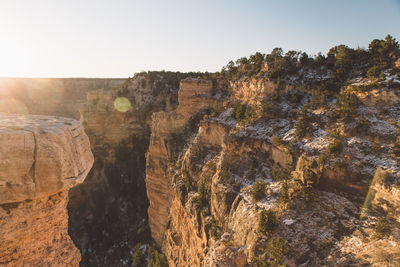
x: 109, y: 211
x: 279, y: 159
x: 286, y: 181
x: 41, y: 159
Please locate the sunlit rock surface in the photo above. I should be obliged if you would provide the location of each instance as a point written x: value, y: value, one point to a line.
x: 41, y: 158
x: 190, y: 149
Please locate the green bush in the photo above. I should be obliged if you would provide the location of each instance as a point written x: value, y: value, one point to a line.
x: 383, y: 53
x: 374, y: 73
x: 317, y: 98
x: 214, y: 231
x: 284, y: 196
x: 249, y: 113
x: 188, y: 184
x: 138, y: 258
x: 295, y: 97
x: 301, y: 126
x: 217, y: 109
x: 258, y: 190
x: 303, y: 121
x: 335, y: 147
x: 201, y: 198
x: 225, y: 175
x: 240, y: 111
x: 267, y: 220
x: 347, y: 104
x: 280, y: 174
x: 157, y: 259
x: 270, y: 108
x: 382, y: 228
x: 252, y: 169
x: 277, y: 249
x: 363, y: 125
x: 310, y: 179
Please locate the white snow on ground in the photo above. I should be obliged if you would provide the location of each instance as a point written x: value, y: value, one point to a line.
x: 226, y: 117
x: 381, y: 127
x: 318, y: 143
x: 265, y: 130
x: 289, y: 221
x: 272, y: 195
x: 360, y: 149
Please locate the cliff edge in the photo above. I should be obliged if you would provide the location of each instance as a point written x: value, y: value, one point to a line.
x: 41, y: 158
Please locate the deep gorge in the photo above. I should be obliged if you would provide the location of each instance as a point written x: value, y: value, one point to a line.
x: 274, y: 160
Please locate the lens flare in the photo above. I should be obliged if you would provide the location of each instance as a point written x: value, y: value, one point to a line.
x: 367, y: 207
x: 122, y: 104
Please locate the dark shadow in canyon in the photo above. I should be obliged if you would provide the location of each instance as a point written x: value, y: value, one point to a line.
x: 108, y: 212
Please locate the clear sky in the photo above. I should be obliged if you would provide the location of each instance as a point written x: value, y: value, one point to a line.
x: 116, y: 38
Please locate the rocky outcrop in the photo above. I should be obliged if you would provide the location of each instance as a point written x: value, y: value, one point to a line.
x: 202, y: 174
x: 168, y: 133
x: 108, y: 213
x: 253, y: 91
x: 41, y: 159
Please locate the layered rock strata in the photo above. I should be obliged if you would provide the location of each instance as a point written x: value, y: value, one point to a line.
x: 202, y: 171
x: 41, y: 159
x: 168, y: 132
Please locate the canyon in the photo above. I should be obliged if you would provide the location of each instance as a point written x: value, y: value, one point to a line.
x: 197, y: 169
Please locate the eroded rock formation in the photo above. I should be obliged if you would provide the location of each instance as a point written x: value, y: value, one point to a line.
x: 41, y: 159
x: 201, y: 172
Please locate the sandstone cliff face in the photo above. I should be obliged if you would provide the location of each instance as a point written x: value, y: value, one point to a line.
x: 168, y: 132
x: 253, y: 91
x: 109, y: 211
x: 200, y: 180
x: 42, y: 158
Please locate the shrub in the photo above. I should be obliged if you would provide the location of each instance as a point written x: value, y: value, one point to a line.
x: 302, y: 121
x: 301, y: 126
x: 280, y: 174
x: 258, y: 190
x: 225, y: 175
x: 374, y: 73
x: 363, y: 124
x: 277, y: 249
x: 284, y: 196
x: 188, y: 184
x: 249, y: 113
x: 347, y: 104
x: 382, y: 228
x: 335, y: 147
x: 217, y: 109
x: 384, y: 52
x: 157, y: 259
x: 240, y: 111
x: 201, y: 198
x: 317, y: 98
x: 270, y: 108
x: 253, y: 166
x: 267, y: 221
x: 344, y: 59
x: 309, y: 180
x: 138, y: 258
x: 295, y: 97
x: 215, y: 230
